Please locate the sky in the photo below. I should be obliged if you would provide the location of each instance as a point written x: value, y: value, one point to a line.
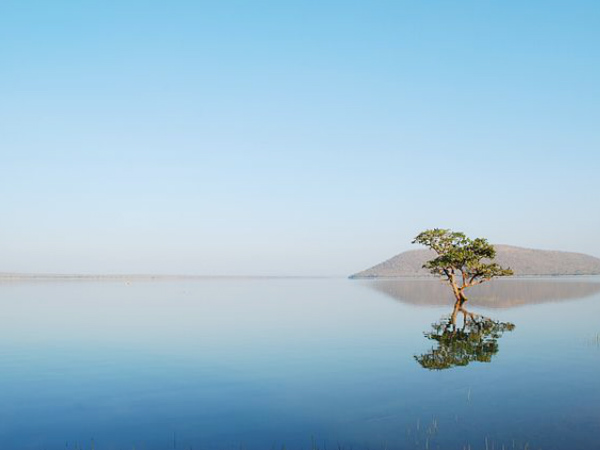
x: 292, y: 138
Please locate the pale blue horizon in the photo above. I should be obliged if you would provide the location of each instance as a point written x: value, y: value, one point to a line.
x: 292, y: 138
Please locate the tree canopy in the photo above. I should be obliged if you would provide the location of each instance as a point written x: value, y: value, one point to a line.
x: 462, y: 261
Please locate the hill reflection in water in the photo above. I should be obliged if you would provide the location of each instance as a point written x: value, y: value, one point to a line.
x: 505, y: 293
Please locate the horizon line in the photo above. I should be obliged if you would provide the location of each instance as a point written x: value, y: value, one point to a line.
x: 142, y: 276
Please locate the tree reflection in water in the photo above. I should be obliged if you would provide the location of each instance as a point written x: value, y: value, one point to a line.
x: 476, y: 340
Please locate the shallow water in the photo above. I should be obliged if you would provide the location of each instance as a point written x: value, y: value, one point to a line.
x: 256, y: 364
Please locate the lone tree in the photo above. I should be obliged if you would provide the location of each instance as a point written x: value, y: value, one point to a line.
x: 460, y: 262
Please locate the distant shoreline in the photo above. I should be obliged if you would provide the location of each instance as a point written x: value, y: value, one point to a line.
x: 7, y: 277
x: 146, y: 277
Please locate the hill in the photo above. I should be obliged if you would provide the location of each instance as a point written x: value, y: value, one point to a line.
x: 523, y: 261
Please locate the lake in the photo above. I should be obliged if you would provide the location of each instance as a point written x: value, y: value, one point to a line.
x: 296, y: 363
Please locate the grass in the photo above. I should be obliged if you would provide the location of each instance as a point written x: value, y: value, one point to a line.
x: 594, y: 341
x: 426, y: 443
x: 419, y: 436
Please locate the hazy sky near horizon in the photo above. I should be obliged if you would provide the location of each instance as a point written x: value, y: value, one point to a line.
x: 295, y: 137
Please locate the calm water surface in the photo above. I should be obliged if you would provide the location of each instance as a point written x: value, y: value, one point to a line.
x: 256, y: 364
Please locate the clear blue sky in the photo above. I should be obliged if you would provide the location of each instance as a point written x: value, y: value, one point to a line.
x: 284, y: 137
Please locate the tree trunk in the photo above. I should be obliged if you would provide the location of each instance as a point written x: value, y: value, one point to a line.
x: 455, y: 313
x: 461, y: 299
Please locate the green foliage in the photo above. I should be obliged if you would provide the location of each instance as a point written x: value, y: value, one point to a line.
x: 476, y: 341
x: 459, y: 255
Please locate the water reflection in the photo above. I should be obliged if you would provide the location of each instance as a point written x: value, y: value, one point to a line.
x: 495, y: 294
x: 476, y: 340
x: 226, y: 363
